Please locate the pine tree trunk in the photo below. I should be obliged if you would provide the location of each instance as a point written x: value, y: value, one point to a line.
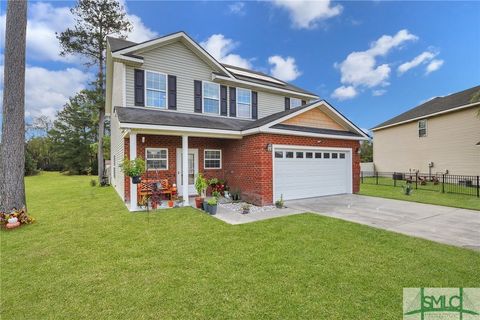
x: 12, y: 166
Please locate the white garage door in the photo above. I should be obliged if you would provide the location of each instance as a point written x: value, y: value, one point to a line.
x: 304, y: 173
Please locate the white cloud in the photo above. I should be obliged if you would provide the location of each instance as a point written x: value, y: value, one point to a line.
x: 47, y: 91
x: 424, y: 57
x: 237, y: 8
x: 305, y: 14
x: 379, y: 92
x: 44, y: 20
x: 220, y: 48
x: 344, y: 93
x: 434, y: 66
x: 284, y: 68
x: 360, y: 68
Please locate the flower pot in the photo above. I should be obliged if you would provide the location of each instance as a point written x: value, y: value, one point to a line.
x: 136, y: 179
x: 12, y: 220
x: 212, y: 209
x: 198, y: 202
x: 170, y: 203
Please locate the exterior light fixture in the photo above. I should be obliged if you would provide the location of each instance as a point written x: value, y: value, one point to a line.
x: 143, y: 139
x: 269, y: 147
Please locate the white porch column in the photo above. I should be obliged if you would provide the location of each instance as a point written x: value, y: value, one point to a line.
x: 185, y: 169
x: 133, y: 187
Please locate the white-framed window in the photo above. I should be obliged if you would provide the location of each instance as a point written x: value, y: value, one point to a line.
x: 295, y: 102
x: 211, y: 97
x: 422, y: 128
x: 155, y: 89
x: 156, y: 158
x: 212, y: 159
x: 244, y: 103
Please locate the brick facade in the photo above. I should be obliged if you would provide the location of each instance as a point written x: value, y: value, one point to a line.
x: 246, y: 163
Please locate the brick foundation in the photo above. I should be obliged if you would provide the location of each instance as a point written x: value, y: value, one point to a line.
x: 246, y: 163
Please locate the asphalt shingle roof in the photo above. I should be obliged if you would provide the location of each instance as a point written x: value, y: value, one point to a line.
x: 435, y: 105
x: 177, y: 119
x: 168, y: 118
x: 118, y: 43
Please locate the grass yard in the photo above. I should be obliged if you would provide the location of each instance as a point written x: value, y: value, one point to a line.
x: 88, y: 257
x: 422, y: 194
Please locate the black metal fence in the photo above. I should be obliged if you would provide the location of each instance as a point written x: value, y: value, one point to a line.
x: 445, y: 183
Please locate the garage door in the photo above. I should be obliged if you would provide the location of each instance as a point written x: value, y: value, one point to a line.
x: 304, y: 173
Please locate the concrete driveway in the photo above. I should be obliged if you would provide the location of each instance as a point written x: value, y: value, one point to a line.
x: 458, y: 227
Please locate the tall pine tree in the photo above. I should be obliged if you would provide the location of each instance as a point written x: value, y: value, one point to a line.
x: 12, y: 160
x: 94, y: 21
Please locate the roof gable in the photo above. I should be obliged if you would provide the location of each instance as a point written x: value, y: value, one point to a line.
x: 314, y: 118
x: 434, y: 106
x: 139, y: 48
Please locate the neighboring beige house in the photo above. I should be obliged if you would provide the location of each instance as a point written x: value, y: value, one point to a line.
x: 443, y: 133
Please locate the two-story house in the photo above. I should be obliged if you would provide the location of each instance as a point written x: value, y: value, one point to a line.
x: 174, y: 105
x: 439, y: 136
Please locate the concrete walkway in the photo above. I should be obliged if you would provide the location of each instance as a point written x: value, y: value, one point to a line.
x: 233, y: 217
x: 458, y: 227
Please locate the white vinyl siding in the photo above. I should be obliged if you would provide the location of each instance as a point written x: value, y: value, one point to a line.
x: 173, y: 59
x: 117, y: 153
x: 176, y: 59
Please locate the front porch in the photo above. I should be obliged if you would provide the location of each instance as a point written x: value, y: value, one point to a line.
x: 165, y: 157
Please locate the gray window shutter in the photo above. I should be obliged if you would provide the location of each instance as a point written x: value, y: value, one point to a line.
x: 197, y: 91
x: 287, y: 103
x: 233, y: 102
x: 139, y: 87
x: 223, y: 100
x: 172, y: 92
x: 254, y: 105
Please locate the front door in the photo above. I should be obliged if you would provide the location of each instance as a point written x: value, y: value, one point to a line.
x: 192, y: 170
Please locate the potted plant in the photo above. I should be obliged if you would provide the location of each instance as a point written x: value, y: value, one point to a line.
x: 201, y: 185
x: 212, y: 205
x: 407, y: 189
x: 280, y: 203
x: 134, y: 169
x: 245, y: 208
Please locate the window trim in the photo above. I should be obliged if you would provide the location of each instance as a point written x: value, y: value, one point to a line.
x: 146, y: 89
x: 146, y: 159
x: 426, y: 128
x: 203, y: 98
x: 205, y: 158
x: 293, y: 98
x: 236, y: 99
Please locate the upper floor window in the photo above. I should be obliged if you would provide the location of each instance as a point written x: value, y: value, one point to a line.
x: 244, y: 103
x: 422, y: 128
x: 211, y: 97
x: 295, y: 102
x: 156, y: 89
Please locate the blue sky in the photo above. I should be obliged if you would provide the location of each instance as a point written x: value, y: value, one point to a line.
x: 370, y: 59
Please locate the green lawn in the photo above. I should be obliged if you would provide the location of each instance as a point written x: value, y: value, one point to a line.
x: 88, y: 257
x: 424, y: 194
